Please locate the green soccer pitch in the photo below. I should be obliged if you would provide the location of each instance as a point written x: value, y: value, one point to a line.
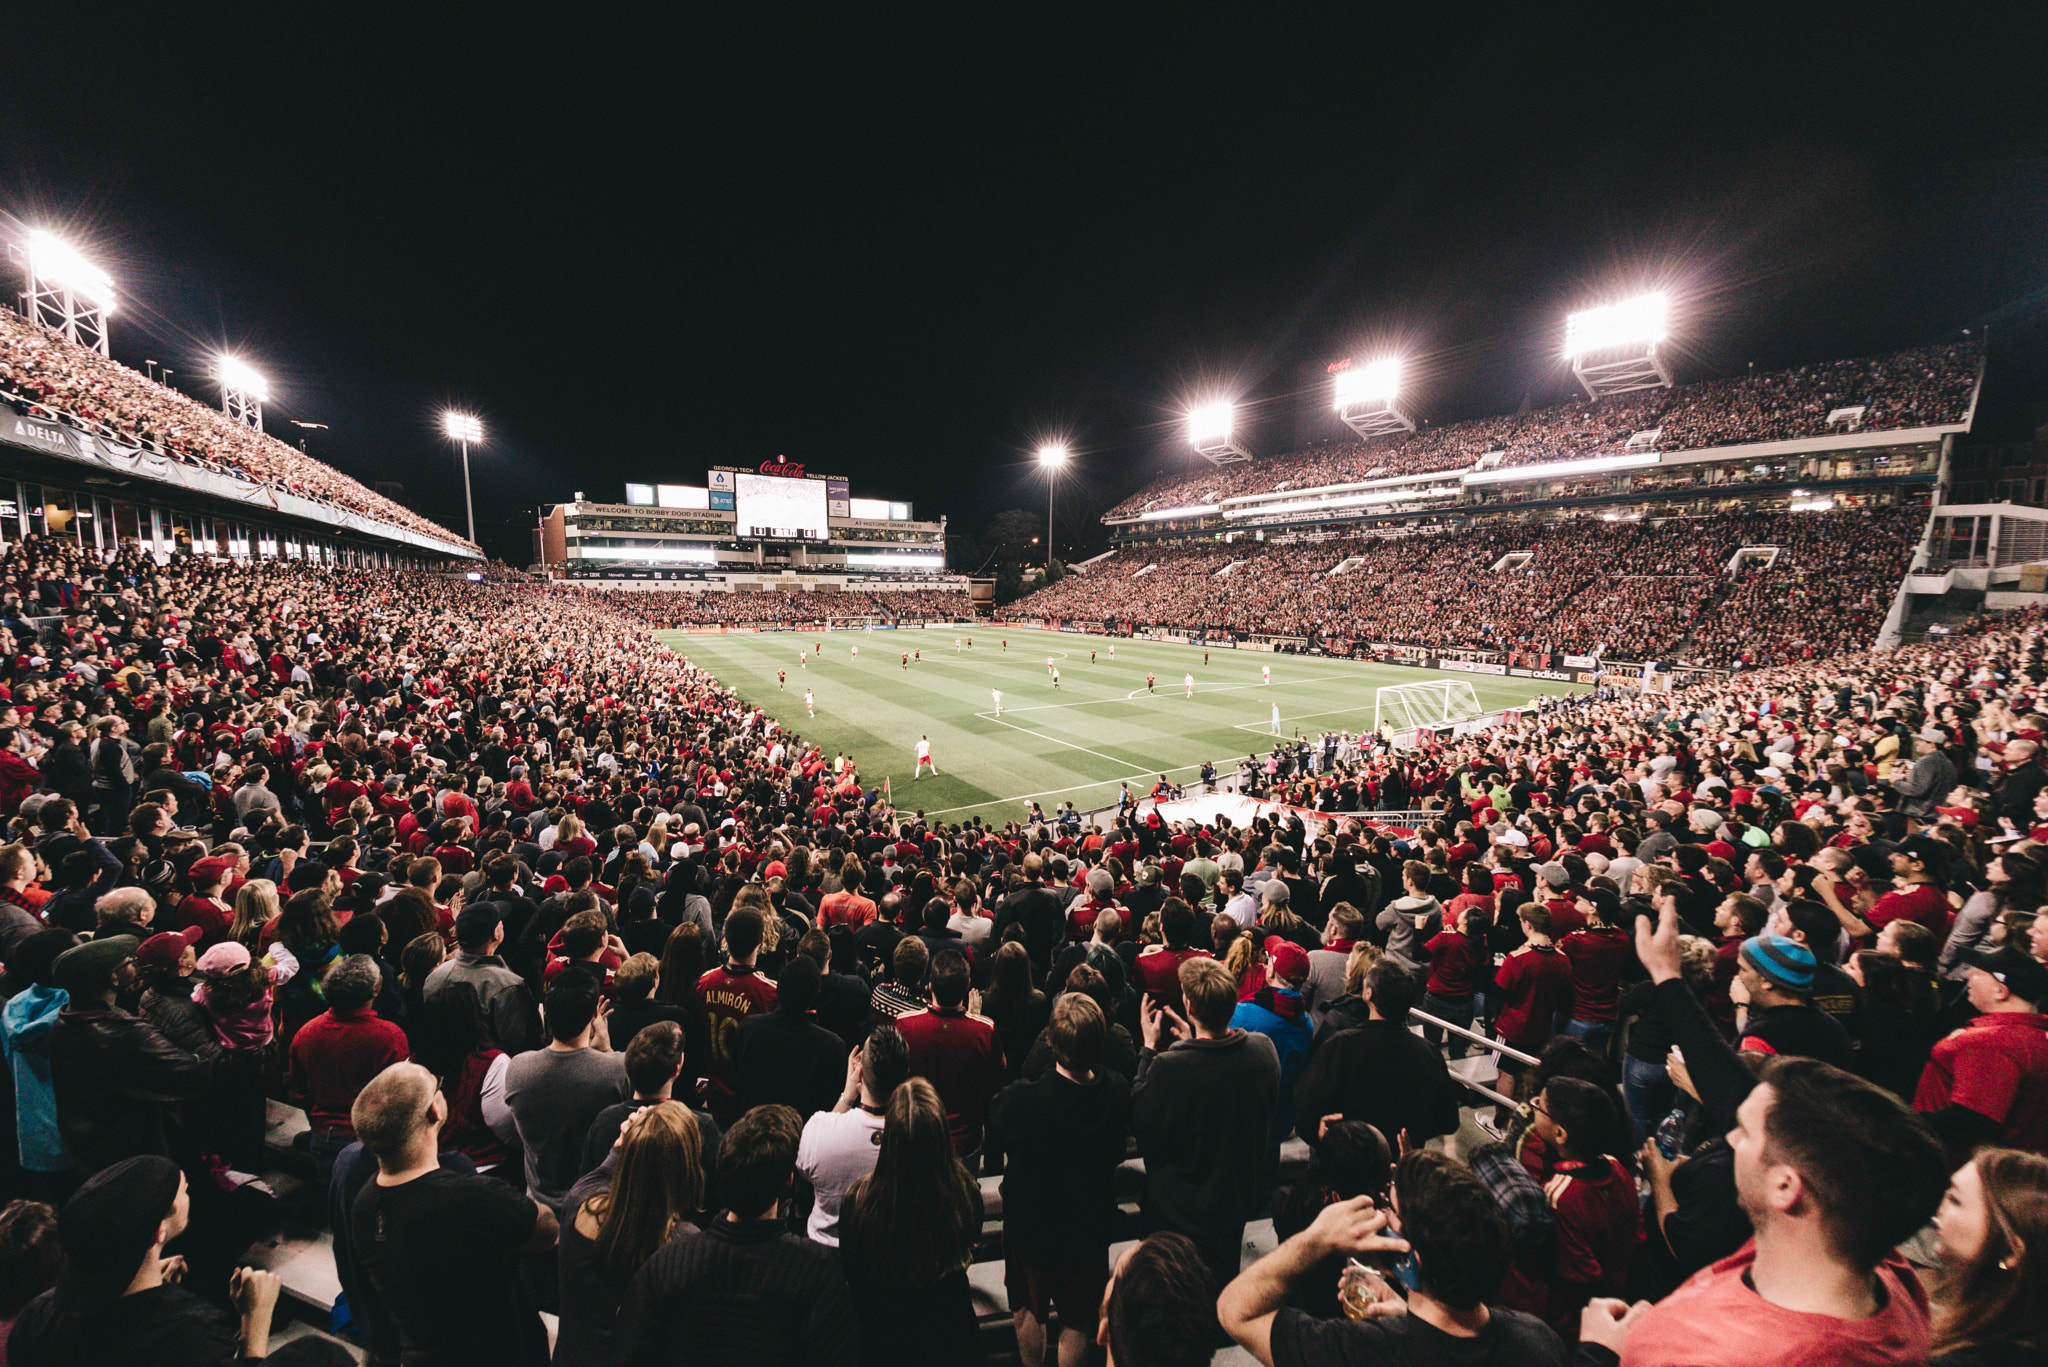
x: 1074, y: 744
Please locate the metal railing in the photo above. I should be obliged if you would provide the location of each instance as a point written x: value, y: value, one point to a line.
x: 1492, y: 1046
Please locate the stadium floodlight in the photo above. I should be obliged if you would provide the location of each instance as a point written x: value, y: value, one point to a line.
x: 1053, y: 456
x: 1613, y: 348
x: 1210, y: 427
x: 67, y: 293
x: 463, y: 429
x: 243, y: 392
x: 1365, y: 398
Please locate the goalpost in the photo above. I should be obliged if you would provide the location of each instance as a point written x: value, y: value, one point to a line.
x: 1438, y: 702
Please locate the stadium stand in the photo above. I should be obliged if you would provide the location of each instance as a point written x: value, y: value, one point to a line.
x: 55, y: 377
x: 1625, y: 590
x: 1928, y: 387
x: 260, y: 755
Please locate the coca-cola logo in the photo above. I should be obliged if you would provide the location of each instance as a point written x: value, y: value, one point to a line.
x: 785, y: 469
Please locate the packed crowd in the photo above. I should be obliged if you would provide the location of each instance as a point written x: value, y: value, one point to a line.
x: 1626, y: 590
x: 667, y: 611
x: 60, y: 378
x: 1930, y: 386
x: 603, y: 995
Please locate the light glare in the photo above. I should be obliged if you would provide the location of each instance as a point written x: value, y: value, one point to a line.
x: 1210, y: 422
x: 1630, y: 322
x: 55, y: 262
x: 1052, y: 456
x: 1379, y: 382
x: 462, y: 427
x: 235, y: 374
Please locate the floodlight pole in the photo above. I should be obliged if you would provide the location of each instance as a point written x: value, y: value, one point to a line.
x: 1050, y: 472
x: 468, y: 507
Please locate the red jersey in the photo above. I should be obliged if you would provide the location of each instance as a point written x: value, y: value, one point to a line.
x: 1998, y: 1067
x: 1598, y: 959
x: 726, y: 996
x: 1455, y: 962
x: 1158, y: 972
x: 1533, y: 982
x: 848, y: 909
x: 962, y: 1057
x: 1922, y: 902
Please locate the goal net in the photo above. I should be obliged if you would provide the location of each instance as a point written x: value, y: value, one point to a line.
x: 1412, y: 706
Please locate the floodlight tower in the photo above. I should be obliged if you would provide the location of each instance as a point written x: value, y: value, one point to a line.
x: 1209, y: 430
x: 66, y: 293
x: 1365, y: 398
x: 1052, y: 459
x: 243, y: 392
x: 462, y: 429
x: 1613, y: 350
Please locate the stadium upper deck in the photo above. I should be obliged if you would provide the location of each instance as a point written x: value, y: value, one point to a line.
x: 1889, y: 400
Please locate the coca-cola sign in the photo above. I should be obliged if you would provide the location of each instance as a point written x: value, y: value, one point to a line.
x: 784, y: 469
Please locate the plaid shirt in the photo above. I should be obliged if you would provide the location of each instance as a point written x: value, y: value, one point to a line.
x: 1528, y: 1212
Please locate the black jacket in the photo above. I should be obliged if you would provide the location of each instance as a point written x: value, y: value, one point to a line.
x: 1383, y: 1074
x: 119, y: 1085
x: 1200, y: 1112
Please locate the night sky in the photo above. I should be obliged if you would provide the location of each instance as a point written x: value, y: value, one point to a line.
x: 909, y: 244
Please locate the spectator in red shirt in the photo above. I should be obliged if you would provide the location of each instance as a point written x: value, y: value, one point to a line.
x: 334, y: 1055
x: 1596, y: 1216
x: 207, y: 908
x: 1987, y: 1083
x: 847, y: 907
x: 1533, y: 983
x: 1918, y: 863
x: 1458, y: 962
x: 957, y: 1051
x: 1599, y: 953
x: 1157, y: 968
x: 726, y: 996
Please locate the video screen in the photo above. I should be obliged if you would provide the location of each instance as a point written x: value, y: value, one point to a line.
x: 784, y: 509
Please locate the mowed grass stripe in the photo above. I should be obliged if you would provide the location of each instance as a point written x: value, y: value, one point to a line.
x: 1076, y: 743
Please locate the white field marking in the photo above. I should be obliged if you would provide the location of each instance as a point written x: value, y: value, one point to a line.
x: 1077, y: 788
x: 1227, y: 688
x: 1113, y: 759
x: 1266, y: 727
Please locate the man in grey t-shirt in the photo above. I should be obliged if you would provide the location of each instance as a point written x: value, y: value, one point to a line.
x: 556, y: 1092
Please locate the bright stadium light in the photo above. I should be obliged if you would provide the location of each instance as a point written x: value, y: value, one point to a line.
x: 235, y: 373
x: 1632, y: 322
x: 1210, y: 427
x: 243, y: 392
x: 1365, y: 397
x: 56, y: 262
x: 1210, y: 421
x: 1624, y: 338
x: 1379, y: 382
x: 66, y: 293
x: 465, y: 429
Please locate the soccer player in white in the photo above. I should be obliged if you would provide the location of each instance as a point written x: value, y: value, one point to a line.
x: 956, y: 643
x: 1188, y: 682
x: 803, y: 657
x: 1048, y: 664
x: 997, y: 694
x: 856, y: 653
x: 1055, y: 678
x: 1276, y: 719
x: 810, y: 704
x: 924, y: 758
x: 1112, y: 650
x: 1265, y: 674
